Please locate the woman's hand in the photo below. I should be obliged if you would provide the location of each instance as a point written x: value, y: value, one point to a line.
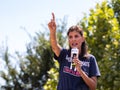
x: 78, y: 63
x: 52, y: 24
x: 90, y: 81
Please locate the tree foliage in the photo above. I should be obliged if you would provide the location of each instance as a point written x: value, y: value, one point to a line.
x: 103, y: 37
x: 115, y: 4
x: 34, y: 64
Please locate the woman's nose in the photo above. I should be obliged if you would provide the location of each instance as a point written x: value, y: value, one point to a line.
x: 73, y: 39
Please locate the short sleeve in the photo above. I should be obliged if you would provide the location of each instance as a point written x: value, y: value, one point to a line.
x: 94, y: 69
x: 61, y: 56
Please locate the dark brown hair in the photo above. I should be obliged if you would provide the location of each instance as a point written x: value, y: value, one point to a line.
x: 80, y: 31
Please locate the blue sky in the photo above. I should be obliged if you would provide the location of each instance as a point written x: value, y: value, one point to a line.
x: 17, y: 14
x: 30, y: 14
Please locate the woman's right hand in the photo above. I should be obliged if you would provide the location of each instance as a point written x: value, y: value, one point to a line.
x: 78, y: 64
x: 53, y: 41
x: 52, y: 24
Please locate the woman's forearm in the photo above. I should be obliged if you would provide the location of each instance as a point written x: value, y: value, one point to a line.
x: 91, y: 82
x: 55, y: 46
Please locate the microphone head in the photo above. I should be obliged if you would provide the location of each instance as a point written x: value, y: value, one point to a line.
x: 74, y: 52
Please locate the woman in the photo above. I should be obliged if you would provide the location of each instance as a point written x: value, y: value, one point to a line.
x: 84, y: 75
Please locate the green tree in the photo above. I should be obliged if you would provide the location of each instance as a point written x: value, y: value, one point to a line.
x: 10, y: 74
x: 115, y: 4
x: 39, y: 61
x: 34, y: 64
x: 103, y: 36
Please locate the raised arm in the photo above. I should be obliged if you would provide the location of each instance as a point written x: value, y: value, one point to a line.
x: 53, y: 40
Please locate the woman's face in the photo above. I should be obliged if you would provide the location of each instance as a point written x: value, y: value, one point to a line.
x: 75, y: 39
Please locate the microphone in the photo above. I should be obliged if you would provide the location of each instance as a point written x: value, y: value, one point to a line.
x: 74, y: 53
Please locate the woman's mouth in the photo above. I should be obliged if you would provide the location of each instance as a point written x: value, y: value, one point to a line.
x: 74, y: 44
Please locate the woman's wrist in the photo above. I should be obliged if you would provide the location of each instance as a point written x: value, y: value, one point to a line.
x: 81, y: 72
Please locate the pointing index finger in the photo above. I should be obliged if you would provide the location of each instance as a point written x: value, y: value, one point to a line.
x: 53, y: 16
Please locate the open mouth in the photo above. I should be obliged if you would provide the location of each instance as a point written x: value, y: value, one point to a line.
x: 74, y: 44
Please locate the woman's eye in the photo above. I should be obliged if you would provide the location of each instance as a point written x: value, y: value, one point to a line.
x: 76, y: 36
x: 70, y: 37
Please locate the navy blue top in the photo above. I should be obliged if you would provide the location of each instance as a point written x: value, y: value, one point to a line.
x: 69, y: 78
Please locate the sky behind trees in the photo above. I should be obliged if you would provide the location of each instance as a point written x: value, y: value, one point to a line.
x: 18, y: 16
